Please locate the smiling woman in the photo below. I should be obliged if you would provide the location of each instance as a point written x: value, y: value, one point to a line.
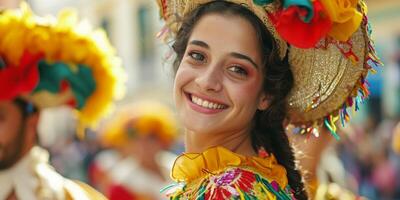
x: 233, y: 80
x: 219, y: 73
x: 224, y: 86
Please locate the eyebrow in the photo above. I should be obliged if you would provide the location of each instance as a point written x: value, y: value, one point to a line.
x: 233, y: 54
x: 244, y: 57
x: 200, y: 43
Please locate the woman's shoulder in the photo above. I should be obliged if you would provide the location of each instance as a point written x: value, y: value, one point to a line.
x: 218, y: 173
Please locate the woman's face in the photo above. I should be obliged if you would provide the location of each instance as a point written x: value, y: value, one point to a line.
x: 219, y: 81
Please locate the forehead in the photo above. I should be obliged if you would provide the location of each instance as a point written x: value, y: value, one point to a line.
x: 227, y: 33
x: 8, y: 107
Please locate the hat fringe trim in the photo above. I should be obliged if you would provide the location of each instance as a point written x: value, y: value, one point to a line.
x: 361, y: 91
x: 358, y: 96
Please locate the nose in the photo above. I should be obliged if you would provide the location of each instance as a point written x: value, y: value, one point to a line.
x: 209, y: 79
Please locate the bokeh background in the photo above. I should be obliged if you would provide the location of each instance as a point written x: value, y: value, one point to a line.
x: 363, y: 161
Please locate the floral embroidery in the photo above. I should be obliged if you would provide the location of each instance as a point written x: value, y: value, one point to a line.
x: 218, y: 173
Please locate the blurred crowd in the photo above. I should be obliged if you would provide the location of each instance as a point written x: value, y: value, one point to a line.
x: 130, y: 155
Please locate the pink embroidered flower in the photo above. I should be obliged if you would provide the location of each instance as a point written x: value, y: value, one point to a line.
x: 225, y: 185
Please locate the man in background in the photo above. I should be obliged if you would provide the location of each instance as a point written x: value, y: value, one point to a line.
x: 41, y: 67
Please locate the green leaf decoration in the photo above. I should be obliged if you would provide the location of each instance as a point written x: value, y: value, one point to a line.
x: 80, y: 80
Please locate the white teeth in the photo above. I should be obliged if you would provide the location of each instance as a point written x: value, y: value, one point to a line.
x: 206, y: 104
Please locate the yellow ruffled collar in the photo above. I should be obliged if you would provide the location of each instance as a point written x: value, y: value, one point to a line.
x: 191, y: 166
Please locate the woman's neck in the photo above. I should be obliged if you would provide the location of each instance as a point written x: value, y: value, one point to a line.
x: 238, y: 142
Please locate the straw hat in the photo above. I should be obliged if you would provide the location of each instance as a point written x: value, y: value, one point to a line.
x: 328, y: 46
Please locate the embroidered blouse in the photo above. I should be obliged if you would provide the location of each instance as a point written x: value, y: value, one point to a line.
x: 218, y: 173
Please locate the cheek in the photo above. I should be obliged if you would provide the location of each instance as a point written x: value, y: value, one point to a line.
x: 6, y: 130
x: 183, y: 76
x: 178, y: 79
x: 247, y: 93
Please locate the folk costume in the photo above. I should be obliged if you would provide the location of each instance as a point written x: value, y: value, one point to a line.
x: 330, y: 52
x: 51, y: 62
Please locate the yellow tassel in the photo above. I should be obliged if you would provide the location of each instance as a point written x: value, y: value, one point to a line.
x: 363, y: 7
x: 330, y: 124
x: 353, y: 60
x: 269, y: 195
x: 240, y: 193
x: 333, y: 122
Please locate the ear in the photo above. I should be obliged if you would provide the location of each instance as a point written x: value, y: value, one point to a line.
x: 32, y: 122
x: 263, y: 102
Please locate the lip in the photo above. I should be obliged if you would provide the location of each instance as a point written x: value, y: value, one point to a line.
x: 201, y: 109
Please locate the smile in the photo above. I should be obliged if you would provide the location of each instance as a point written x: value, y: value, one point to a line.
x: 206, y: 104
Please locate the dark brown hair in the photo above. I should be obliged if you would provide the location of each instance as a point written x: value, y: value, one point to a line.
x: 25, y: 107
x: 268, y: 130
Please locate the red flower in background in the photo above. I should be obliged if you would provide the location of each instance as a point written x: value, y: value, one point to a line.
x: 16, y: 80
x: 119, y: 192
x: 291, y: 27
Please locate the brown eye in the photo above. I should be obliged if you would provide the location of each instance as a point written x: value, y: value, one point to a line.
x: 197, y: 56
x: 238, y: 70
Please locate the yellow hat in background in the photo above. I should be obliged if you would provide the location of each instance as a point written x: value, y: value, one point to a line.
x: 59, y: 61
x: 140, y: 119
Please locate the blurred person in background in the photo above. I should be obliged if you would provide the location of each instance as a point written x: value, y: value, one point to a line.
x: 142, y: 133
x: 321, y: 165
x: 396, y: 149
x: 44, y: 63
x: 99, y: 169
x: 396, y: 139
x: 7, y: 4
x: 358, y: 164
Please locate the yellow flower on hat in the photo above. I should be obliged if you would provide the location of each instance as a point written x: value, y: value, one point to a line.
x: 345, y: 17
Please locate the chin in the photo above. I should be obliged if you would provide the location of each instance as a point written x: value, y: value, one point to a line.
x: 198, y: 127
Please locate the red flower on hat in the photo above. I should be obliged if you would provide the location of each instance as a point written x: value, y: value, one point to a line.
x: 291, y: 27
x: 16, y: 80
